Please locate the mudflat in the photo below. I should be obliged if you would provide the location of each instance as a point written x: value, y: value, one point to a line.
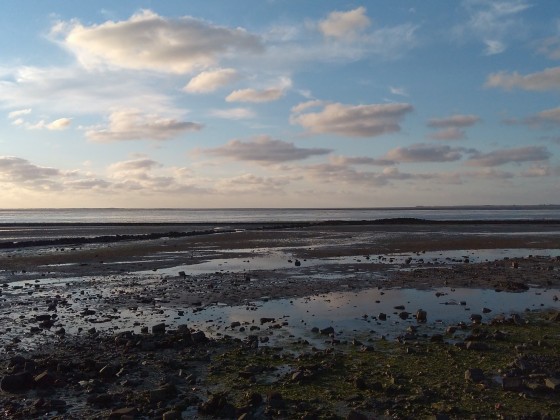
x: 86, y: 327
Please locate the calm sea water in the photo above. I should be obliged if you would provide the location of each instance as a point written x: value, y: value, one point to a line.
x: 273, y: 215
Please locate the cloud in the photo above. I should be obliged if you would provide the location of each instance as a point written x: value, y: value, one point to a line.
x: 134, y: 125
x: 354, y: 120
x: 134, y: 165
x: 451, y: 133
x: 250, y: 183
x: 345, y: 24
x: 56, y: 125
x: 264, y: 150
x: 148, y: 41
x: 400, y: 91
x: 494, y: 23
x: 360, y: 160
x: 233, y: 113
x: 537, y: 171
x: 19, y: 113
x: 515, y: 155
x: 548, y: 79
x: 550, y: 47
x: 266, y: 95
x: 456, y: 120
x: 21, y: 170
x: 211, y: 80
x: 547, y: 118
x: 73, y: 91
x: 425, y: 153
x: 451, y: 128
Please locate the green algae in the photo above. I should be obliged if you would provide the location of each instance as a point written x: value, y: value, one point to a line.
x: 418, y: 378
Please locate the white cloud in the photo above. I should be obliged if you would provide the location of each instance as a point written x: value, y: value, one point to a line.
x: 56, y: 125
x: 264, y: 150
x: 211, y: 80
x: 234, y: 113
x: 21, y: 170
x: 515, y: 155
x: 546, y: 118
x: 148, y: 41
x: 360, y: 160
x: 537, y: 171
x: 345, y: 24
x: 133, y: 125
x: 354, y: 120
x: 548, y: 79
x: 250, y: 184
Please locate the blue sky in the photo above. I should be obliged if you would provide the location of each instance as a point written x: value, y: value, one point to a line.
x: 279, y: 103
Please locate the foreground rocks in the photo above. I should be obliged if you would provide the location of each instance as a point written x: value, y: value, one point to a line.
x: 169, y: 374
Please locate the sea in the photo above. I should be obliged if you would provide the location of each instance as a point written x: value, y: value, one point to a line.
x: 261, y: 215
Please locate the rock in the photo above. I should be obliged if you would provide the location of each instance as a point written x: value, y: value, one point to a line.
x: 486, y: 310
x: 297, y: 263
x: 476, y: 318
x: 403, y: 315
x: 267, y: 320
x: 158, y: 328
x: 476, y: 345
x: 218, y: 406
x: 172, y: 415
x: 108, y: 371
x: 399, y: 307
x: 451, y: 330
x: 275, y: 400
x: 474, y: 375
x: 199, y: 337
x: 120, y: 412
x: 162, y: 394
x: 552, y: 383
x: 44, y: 380
x: 17, y: 383
x: 356, y: 415
x: 511, y: 383
x: 421, y: 315
x: 436, y: 338
x: 382, y: 316
x: 235, y: 324
x: 327, y: 331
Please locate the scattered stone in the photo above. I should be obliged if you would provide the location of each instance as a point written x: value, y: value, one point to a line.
x: 327, y: 331
x: 421, y: 315
x: 476, y: 345
x: 552, y: 383
x: 119, y: 413
x: 512, y: 383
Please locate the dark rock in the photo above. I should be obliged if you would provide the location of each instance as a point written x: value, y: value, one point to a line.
x: 476, y: 318
x: 218, y: 406
x: 327, y: 331
x: 382, y: 316
x: 17, y: 383
x: 199, y: 337
x: 356, y: 415
x: 474, y: 375
x: 512, y: 383
x: 403, y: 315
x: 421, y: 315
x: 172, y: 415
x: 158, y: 328
x: 120, y: 412
x: 476, y: 345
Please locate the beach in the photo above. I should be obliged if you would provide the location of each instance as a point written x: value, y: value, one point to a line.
x: 140, y: 306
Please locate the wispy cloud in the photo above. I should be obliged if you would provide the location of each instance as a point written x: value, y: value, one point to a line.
x: 493, y: 22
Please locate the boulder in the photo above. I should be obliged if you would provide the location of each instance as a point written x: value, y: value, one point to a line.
x: 474, y: 375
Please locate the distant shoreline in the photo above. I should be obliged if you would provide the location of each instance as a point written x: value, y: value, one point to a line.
x: 227, y: 227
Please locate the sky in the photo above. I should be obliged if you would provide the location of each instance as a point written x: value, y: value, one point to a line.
x: 279, y: 103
